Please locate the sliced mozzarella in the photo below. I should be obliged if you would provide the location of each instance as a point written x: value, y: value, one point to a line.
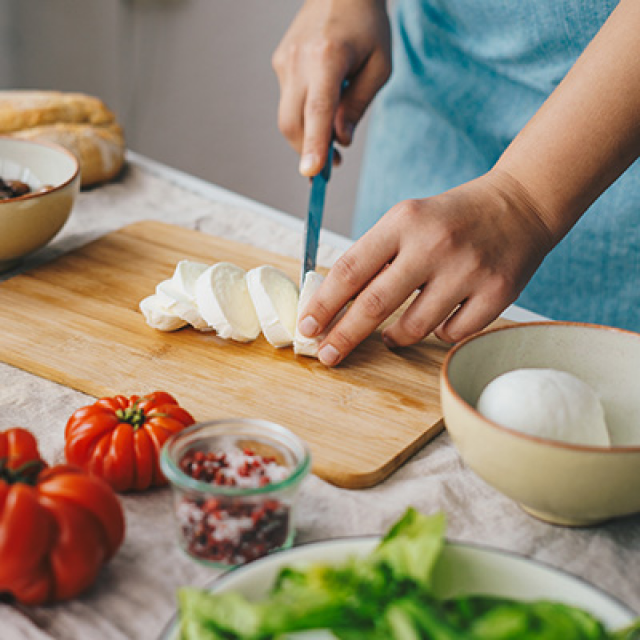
x: 158, y: 316
x: 178, y: 293
x: 275, y: 298
x: 302, y: 345
x: 186, y: 274
x: 224, y: 302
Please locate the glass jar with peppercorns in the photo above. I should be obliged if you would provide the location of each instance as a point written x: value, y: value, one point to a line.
x: 235, y: 482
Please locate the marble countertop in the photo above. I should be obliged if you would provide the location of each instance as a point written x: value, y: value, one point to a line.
x: 134, y: 595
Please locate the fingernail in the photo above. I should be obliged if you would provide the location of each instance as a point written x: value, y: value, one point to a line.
x: 349, y: 128
x: 307, y: 164
x: 389, y: 341
x: 308, y: 326
x: 328, y: 355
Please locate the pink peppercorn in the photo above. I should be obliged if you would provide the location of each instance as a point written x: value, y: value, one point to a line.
x: 233, y: 529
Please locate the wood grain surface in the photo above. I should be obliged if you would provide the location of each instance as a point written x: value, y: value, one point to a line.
x: 76, y: 321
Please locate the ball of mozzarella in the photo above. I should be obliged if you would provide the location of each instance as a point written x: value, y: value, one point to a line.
x: 546, y: 403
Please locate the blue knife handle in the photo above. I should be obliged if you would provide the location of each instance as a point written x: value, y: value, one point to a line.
x: 314, y: 216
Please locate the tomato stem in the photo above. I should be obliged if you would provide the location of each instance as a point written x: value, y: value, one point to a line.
x: 132, y: 415
x: 26, y: 473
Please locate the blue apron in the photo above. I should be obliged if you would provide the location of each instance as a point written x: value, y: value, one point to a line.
x: 467, y: 76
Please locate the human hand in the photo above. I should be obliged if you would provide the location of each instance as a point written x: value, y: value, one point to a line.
x: 469, y: 252
x: 326, y: 44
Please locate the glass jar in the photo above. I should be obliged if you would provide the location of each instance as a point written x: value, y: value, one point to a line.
x: 235, y: 483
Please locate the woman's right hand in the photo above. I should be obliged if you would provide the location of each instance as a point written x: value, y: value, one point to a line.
x: 328, y: 42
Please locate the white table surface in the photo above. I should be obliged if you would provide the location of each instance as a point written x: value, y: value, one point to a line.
x: 135, y: 593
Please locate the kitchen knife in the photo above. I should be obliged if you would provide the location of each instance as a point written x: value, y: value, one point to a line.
x: 314, y: 216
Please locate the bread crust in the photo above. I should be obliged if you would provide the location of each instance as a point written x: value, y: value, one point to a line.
x: 81, y: 123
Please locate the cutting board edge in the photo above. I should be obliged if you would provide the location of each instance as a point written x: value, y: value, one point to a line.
x: 370, y: 478
x: 345, y: 479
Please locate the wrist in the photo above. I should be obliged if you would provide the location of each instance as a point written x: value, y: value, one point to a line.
x: 519, y: 201
x: 532, y: 193
x: 372, y: 4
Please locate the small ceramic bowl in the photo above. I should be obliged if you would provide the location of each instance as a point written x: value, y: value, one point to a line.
x: 235, y: 484
x: 566, y: 484
x: 29, y: 222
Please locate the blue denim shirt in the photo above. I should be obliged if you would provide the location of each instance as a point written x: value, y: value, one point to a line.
x: 467, y: 76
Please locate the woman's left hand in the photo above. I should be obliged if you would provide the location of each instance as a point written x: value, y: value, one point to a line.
x: 469, y: 252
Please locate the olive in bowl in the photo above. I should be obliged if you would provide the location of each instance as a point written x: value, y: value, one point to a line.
x: 235, y: 484
x: 562, y: 482
x: 40, y: 182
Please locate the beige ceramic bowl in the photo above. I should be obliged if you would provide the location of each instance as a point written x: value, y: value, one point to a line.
x: 31, y: 221
x: 561, y: 483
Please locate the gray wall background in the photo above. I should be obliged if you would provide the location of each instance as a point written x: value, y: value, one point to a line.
x: 190, y: 80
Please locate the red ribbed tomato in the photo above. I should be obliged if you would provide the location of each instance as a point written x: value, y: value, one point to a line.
x: 58, y: 525
x: 18, y: 447
x: 119, y: 438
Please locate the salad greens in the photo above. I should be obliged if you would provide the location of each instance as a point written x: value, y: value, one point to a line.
x: 386, y: 595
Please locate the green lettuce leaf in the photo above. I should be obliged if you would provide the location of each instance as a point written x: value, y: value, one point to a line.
x: 411, y: 547
x: 493, y: 618
x: 203, y: 617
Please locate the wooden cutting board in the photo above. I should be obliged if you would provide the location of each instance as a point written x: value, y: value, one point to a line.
x: 76, y: 321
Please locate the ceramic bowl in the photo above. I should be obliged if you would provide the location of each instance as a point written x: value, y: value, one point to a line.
x: 561, y: 483
x: 29, y: 222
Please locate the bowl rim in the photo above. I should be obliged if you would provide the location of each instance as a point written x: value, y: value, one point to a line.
x: 184, y: 482
x: 54, y: 147
x: 558, y: 444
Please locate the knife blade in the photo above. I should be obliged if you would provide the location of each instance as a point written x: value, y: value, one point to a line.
x: 313, y: 222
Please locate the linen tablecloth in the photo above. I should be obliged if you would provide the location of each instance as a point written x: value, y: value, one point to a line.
x: 134, y: 595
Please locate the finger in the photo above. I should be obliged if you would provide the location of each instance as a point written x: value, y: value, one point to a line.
x: 473, y: 315
x: 362, y: 89
x: 375, y: 303
x: 348, y: 276
x: 431, y: 307
x: 320, y: 107
x: 290, y: 114
x: 337, y: 161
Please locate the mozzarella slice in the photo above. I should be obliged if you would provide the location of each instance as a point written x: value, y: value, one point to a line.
x: 186, y: 274
x: 302, y: 345
x: 158, y: 316
x: 223, y: 300
x: 178, y: 293
x: 275, y: 298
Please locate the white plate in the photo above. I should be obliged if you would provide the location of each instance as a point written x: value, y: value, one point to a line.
x: 461, y: 569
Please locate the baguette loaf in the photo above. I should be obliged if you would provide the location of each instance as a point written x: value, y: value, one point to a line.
x: 81, y: 123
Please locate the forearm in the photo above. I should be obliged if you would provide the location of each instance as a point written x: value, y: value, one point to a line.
x: 588, y: 132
